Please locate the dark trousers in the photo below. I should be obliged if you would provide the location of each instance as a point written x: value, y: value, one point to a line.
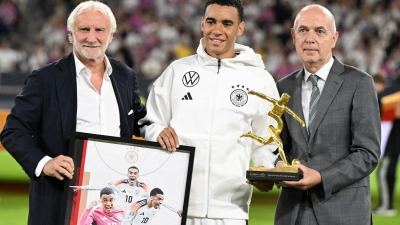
x: 387, y: 167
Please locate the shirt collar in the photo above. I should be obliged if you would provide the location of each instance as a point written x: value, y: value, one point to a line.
x: 322, y: 73
x: 80, y: 67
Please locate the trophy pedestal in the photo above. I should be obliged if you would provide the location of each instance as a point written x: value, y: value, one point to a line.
x: 287, y: 173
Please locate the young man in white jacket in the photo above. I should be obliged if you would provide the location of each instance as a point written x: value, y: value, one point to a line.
x: 203, y: 101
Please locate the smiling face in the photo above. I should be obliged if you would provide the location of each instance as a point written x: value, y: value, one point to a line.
x: 314, y: 37
x: 108, y: 202
x: 91, y: 35
x: 133, y: 175
x: 221, y: 26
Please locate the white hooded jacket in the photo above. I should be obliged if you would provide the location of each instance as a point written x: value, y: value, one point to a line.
x: 205, y: 100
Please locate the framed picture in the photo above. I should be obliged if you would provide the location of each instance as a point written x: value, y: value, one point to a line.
x: 125, y: 181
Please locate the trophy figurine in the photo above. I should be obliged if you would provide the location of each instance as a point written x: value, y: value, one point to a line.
x: 288, y: 171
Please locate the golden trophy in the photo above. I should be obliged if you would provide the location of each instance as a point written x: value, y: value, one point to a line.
x: 288, y: 171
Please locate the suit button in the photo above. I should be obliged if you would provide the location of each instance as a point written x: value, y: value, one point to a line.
x: 310, y: 155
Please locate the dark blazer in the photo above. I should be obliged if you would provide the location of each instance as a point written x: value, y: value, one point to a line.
x: 43, y: 118
x: 344, y: 148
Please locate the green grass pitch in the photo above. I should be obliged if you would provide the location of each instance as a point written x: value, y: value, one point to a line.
x: 14, y: 206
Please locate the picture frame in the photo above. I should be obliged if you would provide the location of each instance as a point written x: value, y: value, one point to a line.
x: 105, y: 161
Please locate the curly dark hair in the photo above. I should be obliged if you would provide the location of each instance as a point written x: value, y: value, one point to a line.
x: 234, y: 3
x: 156, y: 191
x: 106, y: 191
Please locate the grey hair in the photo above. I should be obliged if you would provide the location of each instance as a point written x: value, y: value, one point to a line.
x: 93, y: 6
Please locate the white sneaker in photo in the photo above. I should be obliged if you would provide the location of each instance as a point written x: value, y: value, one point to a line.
x: 384, y: 212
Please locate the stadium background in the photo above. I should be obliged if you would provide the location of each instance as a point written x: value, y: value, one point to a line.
x: 153, y: 33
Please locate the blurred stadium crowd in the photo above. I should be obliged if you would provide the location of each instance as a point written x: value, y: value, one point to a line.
x: 153, y: 33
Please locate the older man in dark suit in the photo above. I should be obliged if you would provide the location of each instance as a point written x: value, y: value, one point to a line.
x: 84, y: 91
x: 340, y: 146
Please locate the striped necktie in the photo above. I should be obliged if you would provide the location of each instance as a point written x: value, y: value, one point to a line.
x: 315, y: 96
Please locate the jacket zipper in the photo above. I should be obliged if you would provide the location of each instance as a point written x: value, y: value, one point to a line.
x: 210, y: 135
x: 219, y: 65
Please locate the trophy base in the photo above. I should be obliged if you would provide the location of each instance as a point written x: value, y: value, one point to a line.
x: 287, y: 173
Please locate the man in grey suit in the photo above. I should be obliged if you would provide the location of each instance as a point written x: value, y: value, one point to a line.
x: 340, y: 146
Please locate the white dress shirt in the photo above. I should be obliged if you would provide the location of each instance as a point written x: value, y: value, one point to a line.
x: 97, y: 113
x: 306, y: 86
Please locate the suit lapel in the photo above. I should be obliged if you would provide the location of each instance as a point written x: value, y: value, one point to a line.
x: 331, y: 88
x: 65, y: 79
x: 297, y: 106
x: 119, y: 83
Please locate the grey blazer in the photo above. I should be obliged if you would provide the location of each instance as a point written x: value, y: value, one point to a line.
x: 344, y: 148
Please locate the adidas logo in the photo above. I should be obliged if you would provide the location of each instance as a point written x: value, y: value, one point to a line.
x: 188, y: 96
